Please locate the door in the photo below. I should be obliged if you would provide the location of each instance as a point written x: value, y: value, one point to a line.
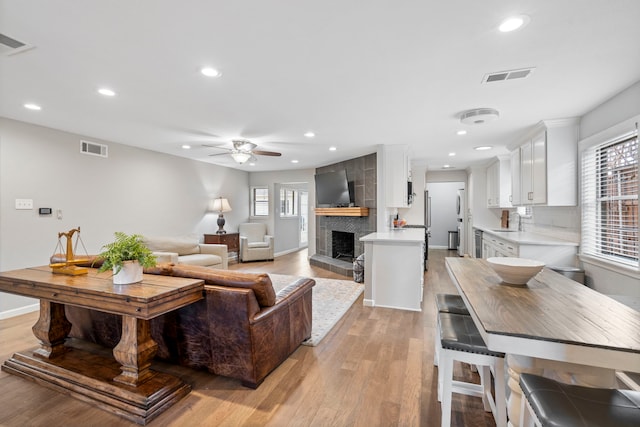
x: 304, y: 218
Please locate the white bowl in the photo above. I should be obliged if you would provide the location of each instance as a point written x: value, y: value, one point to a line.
x: 516, y: 271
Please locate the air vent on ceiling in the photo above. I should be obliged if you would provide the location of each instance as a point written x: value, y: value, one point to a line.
x: 94, y: 149
x: 10, y: 46
x: 478, y: 116
x: 507, y: 75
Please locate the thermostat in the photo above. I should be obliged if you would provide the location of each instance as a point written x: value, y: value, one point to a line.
x: 44, y: 211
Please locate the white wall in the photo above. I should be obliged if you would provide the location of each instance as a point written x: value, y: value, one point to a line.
x: 133, y: 190
x: 610, y: 113
x: 290, y: 177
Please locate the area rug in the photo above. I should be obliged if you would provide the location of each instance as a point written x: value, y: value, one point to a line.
x: 331, y: 300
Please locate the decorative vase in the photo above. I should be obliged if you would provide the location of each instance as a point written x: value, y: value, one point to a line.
x: 131, y: 272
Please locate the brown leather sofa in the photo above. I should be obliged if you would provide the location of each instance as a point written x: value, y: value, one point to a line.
x: 241, y: 329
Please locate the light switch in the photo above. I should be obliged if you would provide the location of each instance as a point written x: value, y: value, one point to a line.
x: 24, y: 203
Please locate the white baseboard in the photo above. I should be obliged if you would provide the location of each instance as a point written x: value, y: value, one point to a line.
x: 18, y: 311
x: 288, y: 251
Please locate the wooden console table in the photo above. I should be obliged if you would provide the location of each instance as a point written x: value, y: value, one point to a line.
x: 124, y: 385
x: 232, y: 240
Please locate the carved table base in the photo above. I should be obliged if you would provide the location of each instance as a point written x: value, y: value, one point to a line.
x: 123, y: 385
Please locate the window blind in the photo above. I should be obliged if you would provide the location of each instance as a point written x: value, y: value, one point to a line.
x: 610, y: 200
x: 260, y: 201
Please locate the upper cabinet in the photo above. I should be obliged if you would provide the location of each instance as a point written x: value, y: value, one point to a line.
x: 544, y: 166
x: 499, y: 183
x: 396, y: 175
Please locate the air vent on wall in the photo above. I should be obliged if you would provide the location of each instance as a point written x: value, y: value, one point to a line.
x: 10, y: 46
x: 94, y: 149
x: 507, y: 75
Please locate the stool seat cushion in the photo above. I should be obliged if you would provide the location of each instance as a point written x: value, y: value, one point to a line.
x: 451, y: 303
x: 457, y: 332
x: 558, y: 404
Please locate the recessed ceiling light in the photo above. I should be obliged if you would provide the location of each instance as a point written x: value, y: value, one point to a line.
x: 461, y: 132
x: 34, y: 107
x: 447, y: 167
x: 333, y: 148
x: 513, y: 23
x: 309, y: 134
x: 483, y: 148
x: 106, y: 92
x: 210, y: 72
x: 294, y: 161
x: 452, y: 154
x: 252, y: 164
x: 186, y: 147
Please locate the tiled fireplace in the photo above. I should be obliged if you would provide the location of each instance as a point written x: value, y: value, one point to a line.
x: 362, y: 172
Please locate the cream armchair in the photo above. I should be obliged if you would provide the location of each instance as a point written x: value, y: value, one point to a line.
x: 255, y: 243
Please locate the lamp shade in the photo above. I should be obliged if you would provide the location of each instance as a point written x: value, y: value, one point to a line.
x: 221, y: 205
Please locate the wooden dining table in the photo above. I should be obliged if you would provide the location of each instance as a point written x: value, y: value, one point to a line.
x: 552, y: 326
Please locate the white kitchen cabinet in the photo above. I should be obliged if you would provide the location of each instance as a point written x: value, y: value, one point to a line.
x: 545, y: 251
x: 547, y: 171
x: 499, y: 183
x: 396, y: 176
x: 496, y: 247
x: 515, y: 178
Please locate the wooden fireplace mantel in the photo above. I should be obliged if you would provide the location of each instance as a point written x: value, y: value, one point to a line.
x: 357, y: 211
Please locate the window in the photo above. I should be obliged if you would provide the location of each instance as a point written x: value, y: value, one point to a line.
x: 610, y: 200
x: 259, y: 201
x: 288, y: 202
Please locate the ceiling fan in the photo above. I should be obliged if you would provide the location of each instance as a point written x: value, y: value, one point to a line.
x: 243, y: 150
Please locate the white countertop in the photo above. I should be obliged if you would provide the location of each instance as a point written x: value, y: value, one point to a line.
x: 401, y: 235
x: 526, y: 238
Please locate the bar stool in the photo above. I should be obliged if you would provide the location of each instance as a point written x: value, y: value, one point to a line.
x: 460, y: 341
x: 447, y: 303
x: 548, y: 402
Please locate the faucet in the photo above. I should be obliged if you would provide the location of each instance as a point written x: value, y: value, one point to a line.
x: 520, y: 224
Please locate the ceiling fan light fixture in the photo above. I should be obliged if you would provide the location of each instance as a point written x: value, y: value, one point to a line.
x: 210, y: 72
x: 240, y: 157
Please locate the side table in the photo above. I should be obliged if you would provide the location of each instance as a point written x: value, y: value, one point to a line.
x: 232, y: 240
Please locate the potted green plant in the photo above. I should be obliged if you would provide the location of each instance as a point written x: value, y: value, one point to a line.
x: 126, y: 256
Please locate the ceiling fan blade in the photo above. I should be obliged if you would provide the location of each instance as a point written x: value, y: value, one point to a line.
x: 266, y: 153
x: 219, y: 154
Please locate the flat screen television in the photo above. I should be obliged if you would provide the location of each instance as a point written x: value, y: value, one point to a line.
x: 332, y: 189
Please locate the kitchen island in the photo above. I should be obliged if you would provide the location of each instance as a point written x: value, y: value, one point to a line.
x: 394, y: 269
x: 552, y: 326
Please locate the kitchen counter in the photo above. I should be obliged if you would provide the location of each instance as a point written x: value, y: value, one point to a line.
x: 526, y: 238
x: 407, y: 235
x: 394, y: 269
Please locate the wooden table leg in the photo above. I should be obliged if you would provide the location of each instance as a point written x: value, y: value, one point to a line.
x: 51, y: 329
x: 135, y: 351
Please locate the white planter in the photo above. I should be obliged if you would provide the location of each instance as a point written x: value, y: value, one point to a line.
x: 131, y: 272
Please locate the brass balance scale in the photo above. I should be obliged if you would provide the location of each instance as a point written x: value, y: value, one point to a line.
x: 66, y: 262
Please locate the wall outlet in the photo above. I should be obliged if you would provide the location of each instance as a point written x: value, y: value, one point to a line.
x: 24, y: 203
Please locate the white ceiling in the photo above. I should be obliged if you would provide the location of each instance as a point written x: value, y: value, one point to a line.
x: 357, y: 73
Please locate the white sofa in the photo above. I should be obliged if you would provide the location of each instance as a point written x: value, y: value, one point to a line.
x: 187, y: 250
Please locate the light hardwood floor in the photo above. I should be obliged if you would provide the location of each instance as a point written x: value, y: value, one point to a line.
x: 375, y: 368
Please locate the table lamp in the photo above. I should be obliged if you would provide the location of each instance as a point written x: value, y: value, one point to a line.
x: 221, y: 205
